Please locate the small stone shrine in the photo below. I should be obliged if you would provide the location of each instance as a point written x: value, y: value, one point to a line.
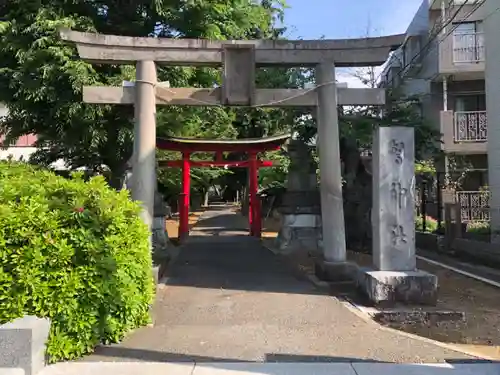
x: 301, y: 204
x: 394, y: 277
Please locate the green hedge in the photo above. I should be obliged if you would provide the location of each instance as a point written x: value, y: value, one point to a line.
x: 75, y: 252
x: 478, y: 227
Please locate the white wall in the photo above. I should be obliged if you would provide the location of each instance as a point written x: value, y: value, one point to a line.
x: 3, y: 110
x: 492, y: 48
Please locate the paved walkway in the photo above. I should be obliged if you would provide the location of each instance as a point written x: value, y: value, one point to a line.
x: 228, y: 299
x: 267, y: 369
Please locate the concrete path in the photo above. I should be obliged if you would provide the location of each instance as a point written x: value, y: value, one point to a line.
x: 228, y: 299
x: 267, y: 369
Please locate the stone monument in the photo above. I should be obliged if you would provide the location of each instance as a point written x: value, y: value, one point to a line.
x: 395, y: 277
x: 300, y: 208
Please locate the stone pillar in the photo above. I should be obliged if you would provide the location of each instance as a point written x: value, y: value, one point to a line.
x: 144, y: 168
x: 332, y: 207
x: 395, y: 277
x: 300, y: 208
x: 492, y: 50
x: 185, y: 197
x: 254, y: 214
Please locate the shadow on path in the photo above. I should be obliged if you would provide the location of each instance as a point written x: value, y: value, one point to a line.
x: 128, y: 354
x: 132, y: 355
x: 220, y: 255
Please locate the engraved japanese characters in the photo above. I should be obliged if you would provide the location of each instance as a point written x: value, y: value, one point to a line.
x: 393, y: 195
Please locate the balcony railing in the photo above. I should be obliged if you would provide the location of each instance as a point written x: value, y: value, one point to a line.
x: 474, y: 205
x: 470, y: 126
x: 468, y: 48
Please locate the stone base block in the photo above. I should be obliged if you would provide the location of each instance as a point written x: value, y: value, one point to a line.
x: 299, y: 233
x: 387, y: 288
x: 23, y: 344
x: 335, y: 272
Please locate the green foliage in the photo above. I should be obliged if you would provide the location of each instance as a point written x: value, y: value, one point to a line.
x: 276, y: 175
x: 425, y: 167
x: 431, y: 224
x: 75, y: 252
x: 478, y: 227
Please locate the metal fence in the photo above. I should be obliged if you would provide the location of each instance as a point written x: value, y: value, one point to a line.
x: 429, y: 200
x: 474, y: 205
x: 471, y: 126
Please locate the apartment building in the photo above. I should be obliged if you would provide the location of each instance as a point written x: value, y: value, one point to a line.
x: 443, y: 61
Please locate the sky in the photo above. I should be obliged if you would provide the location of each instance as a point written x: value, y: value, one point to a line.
x: 334, y: 19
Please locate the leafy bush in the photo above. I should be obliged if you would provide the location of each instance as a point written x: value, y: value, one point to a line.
x: 478, y: 227
x: 431, y: 224
x: 75, y: 252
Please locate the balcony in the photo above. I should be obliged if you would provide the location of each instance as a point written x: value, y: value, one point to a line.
x: 463, y: 55
x: 468, y: 48
x: 464, y: 132
x: 470, y: 126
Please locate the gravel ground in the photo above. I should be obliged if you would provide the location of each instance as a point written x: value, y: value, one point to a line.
x: 230, y: 299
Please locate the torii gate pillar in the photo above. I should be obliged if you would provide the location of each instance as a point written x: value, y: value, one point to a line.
x: 332, y: 209
x: 144, y: 165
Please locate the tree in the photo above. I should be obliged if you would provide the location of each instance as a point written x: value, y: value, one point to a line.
x: 41, y: 78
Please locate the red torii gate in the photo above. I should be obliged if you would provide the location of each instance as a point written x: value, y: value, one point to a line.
x: 252, y: 147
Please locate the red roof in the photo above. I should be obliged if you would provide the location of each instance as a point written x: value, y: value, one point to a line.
x: 214, y: 145
x: 24, y: 141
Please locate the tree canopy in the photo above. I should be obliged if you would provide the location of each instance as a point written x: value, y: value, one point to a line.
x: 41, y: 77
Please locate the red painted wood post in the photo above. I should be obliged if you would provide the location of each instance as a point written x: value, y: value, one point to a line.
x: 254, y: 200
x: 184, y: 197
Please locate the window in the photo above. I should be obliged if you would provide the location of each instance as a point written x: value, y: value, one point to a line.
x: 470, y: 103
x: 464, y: 28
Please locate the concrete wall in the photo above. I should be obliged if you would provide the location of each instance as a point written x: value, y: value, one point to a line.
x: 479, y: 251
x: 492, y: 33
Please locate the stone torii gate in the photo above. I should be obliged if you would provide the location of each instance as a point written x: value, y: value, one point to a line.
x: 239, y: 59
